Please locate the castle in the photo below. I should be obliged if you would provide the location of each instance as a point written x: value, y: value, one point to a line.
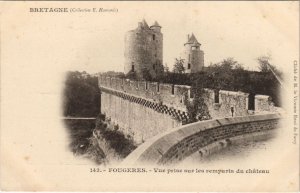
x: 144, y: 51
x: 143, y: 109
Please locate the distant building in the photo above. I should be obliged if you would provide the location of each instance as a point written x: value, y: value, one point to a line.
x: 144, y: 50
x: 192, y: 55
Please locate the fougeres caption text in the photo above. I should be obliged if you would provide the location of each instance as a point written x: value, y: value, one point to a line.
x: 180, y: 170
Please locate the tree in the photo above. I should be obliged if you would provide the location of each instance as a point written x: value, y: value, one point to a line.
x: 159, y: 71
x: 146, y: 75
x: 264, y: 63
x: 81, y: 95
x: 166, y: 68
x: 131, y: 75
x: 114, y: 74
x: 221, y: 74
x: 197, y: 109
x: 266, y: 66
x: 178, y: 66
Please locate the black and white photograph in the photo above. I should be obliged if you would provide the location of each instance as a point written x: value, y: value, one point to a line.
x: 158, y: 93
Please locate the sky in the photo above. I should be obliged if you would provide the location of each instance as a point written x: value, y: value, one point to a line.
x: 94, y: 42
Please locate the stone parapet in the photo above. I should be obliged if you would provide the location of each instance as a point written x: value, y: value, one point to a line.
x: 174, y: 96
x: 174, y: 145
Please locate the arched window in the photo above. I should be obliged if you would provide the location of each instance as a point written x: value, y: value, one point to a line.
x: 132, y: 67
x: 153, y: 37
x: 189, y: 66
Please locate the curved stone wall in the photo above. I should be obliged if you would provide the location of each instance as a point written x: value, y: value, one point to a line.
x: 177, y: 144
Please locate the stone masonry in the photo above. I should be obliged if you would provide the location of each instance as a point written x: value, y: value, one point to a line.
x: 143, y: 109
x: 144, y: 49
x: 175, y: 145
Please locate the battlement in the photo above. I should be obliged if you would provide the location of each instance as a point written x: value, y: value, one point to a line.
x: 174, y: 96
x: 168, y: 94
x: 137, y: 105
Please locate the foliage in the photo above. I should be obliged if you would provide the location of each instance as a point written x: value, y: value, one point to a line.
x: 146, y: 75
x: 116, y: 139
x: 80, y: 131
x: 264, y: 63
x: 228, y: 74
x: 266, y: 66
x: 197, y: 109
x: 81, y: 95
x: 178, y: 66
x: 159, y: 71
x: 114, y: 74
x: 131, y: 75
x: 166, y: 69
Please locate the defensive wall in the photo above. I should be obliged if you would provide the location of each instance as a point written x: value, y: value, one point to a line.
x: 178, y: 143
x: 144, y: 109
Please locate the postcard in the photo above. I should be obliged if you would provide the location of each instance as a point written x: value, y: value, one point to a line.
x: 149, y: 96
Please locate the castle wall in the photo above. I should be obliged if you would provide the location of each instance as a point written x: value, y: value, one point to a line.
x: 237, y: 100
x: 137, y: 121
x: 263, y: 103
x: 143, y: 109
x: 202, y: 137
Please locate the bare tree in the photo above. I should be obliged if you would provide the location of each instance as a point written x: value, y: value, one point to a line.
x: 264, y: 63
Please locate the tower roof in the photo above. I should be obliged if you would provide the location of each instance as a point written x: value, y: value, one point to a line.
x: 145, y: 25
x: 192, y: 40
x: 155, y: 24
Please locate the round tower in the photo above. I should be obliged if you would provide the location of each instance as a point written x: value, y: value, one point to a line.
x: 193, y: 56
x: 143, y: 50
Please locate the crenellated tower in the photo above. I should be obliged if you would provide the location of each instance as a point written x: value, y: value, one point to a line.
x: 144, y: 50
x: 193, y: 56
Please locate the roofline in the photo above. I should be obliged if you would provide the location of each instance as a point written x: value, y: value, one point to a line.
x: 192, y: 43
x: 155, y: 26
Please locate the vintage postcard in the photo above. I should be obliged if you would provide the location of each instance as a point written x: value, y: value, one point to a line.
x: 149, y: 96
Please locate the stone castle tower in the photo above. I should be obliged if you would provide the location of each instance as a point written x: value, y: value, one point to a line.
x: 192, y: 55
x: 144, y: 50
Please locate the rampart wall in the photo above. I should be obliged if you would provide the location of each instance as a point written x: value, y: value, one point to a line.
x: 143, y: 109
x: 176, y: 144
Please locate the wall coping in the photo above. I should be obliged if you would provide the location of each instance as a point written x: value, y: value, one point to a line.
x: 233, y: 93
x: 262, y: 97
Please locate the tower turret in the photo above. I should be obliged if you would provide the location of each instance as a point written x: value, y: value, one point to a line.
x: 156, y: 27
x: 144, y: 50
x: 193, y: 56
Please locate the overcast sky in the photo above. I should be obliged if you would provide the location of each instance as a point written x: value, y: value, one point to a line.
x: 95, y: 41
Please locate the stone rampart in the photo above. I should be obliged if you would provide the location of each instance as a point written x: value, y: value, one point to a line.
x: 174, y: 96
x: 143, y: 109
x: 176, y: 144
x: 263, y: 103
x: 139, y: 118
